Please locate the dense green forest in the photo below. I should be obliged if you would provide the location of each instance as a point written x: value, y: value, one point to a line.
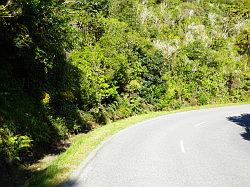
x: 68, y: 66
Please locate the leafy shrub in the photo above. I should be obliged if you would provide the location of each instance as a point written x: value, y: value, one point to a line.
x: 12, y: 145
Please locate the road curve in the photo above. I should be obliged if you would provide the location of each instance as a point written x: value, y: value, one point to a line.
x: 208, y: 147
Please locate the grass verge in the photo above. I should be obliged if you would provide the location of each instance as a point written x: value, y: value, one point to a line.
x: 82, y: 144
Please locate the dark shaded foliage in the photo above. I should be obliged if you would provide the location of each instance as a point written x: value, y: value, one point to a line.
x: 33, y: 65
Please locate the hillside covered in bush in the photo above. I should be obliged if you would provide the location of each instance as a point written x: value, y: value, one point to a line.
x: 69, y: 66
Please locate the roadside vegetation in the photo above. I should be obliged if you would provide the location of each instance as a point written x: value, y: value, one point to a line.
x: 67, y: 67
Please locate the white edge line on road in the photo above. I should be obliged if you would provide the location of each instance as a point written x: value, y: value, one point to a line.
x: 199, y: 124
x: 182, y: 147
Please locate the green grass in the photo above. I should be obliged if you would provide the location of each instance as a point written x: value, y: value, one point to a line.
x: 83, y: 144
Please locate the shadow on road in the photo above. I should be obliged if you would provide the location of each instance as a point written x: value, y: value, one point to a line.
x: 244, y: 121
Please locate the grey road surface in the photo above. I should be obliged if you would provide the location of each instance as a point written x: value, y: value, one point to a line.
x: 208, y: 147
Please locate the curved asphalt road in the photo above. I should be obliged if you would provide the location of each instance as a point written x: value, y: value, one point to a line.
x: 208, y: 147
